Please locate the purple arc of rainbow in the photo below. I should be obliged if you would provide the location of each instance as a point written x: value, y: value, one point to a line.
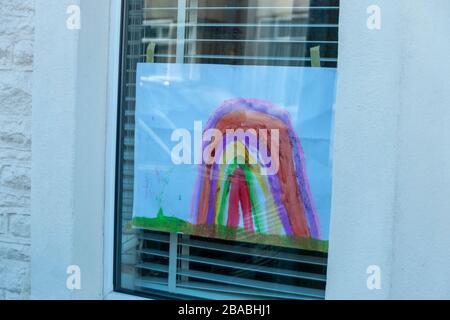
x: 289, y: 188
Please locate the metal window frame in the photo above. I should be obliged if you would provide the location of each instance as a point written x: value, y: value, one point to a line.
x: 113, y: 287
x: 116, y: 11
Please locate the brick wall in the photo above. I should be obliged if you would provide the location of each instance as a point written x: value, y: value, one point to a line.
x: 16, y: 66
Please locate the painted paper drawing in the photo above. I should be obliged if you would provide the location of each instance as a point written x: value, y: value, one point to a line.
x: 284, y: 205
x: 222, y: 158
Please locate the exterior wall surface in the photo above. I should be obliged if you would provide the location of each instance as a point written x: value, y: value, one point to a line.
x: 365, y: 144
x: 421, y: 243
x: 16, y: 67
x: 391, y: 193
x: 69, y: 132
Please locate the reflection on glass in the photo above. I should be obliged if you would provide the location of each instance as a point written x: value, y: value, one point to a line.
x: 240, y: 32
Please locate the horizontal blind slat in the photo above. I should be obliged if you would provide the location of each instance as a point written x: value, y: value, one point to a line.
x: 255, y: 268
x: 157, y: 253
x: 293, y: 8
x: 236, y: 25
x: 286, y: 41
x: 235, y: 57
x: 255, y: 252
x: 307, y: 292
x: 153, y: 266
x: 236, y: 291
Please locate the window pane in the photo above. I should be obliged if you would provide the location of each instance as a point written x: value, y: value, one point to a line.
x: 240, y: 32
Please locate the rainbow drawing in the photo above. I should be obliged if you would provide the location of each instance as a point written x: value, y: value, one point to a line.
x: 222, y: 153
x: 235, y: 193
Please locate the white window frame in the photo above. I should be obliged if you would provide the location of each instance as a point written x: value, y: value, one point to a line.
x: 69, y: 118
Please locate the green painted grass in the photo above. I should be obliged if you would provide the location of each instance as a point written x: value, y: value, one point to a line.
x: 172, y: 224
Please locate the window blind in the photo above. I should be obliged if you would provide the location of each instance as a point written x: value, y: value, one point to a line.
x: 240, y: 32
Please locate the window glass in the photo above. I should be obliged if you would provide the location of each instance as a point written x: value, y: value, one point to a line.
x: 239, y: 32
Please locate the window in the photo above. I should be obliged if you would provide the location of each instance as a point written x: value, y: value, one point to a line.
x: 239, y: 32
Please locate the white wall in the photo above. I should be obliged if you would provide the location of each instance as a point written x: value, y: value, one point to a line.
x: 391, y: 192
x: 16, y: 69
x: 69, y: 130
x: 421, y: 251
